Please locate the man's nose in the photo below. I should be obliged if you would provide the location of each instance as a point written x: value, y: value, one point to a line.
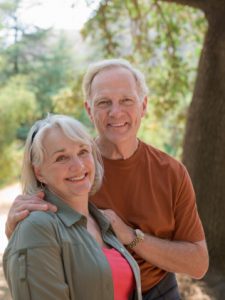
x: 115, y: 109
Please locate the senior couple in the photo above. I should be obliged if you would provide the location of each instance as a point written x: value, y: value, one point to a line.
x: 67, y: 248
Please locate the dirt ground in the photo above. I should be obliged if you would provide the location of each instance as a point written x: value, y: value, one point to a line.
x: 190, y: 289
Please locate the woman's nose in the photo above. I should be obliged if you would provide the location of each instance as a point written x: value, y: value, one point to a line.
x: 76, y: 164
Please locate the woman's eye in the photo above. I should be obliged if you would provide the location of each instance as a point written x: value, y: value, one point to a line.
x: 61, y: 158
x: 84, y: 152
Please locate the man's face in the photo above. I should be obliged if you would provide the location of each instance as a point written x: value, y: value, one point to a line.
x: 116, y: 108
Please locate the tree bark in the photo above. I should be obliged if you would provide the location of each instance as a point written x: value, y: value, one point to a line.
x: 204, y: 143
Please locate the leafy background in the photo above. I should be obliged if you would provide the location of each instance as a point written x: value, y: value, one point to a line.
x: 41, y: 71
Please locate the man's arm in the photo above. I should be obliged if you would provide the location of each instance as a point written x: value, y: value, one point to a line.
x: 173, y: 256
x: 21, y: 208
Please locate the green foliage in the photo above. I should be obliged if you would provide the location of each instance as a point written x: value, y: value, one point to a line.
x: 10, y: 163
x: 17, y: 106
x: 53, y: 72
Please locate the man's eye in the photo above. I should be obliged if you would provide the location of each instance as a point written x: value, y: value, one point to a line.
x: 127, y: 101
x: 103, y: 103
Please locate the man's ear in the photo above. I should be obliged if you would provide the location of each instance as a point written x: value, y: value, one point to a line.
x: 88, y: 110
x: 37, y: 172
x: 144, y: 106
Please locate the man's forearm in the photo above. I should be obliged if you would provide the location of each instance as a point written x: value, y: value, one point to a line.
x: 175, y: 256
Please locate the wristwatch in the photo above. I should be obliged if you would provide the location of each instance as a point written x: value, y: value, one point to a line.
x: 139, y: 237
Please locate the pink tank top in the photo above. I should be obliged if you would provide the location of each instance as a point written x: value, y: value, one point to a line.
x: 122, y: 274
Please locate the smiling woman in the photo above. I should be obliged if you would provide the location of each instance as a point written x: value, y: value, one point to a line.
x: 65, y: 255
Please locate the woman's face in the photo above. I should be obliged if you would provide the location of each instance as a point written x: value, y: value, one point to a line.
x: 68, y: 168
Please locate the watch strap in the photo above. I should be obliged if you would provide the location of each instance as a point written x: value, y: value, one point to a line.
x: 139, y: 237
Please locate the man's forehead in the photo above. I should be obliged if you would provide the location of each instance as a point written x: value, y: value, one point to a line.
x: 108, y: 78
x: 114, y: 70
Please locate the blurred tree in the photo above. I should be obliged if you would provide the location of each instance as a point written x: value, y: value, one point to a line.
x: 46, y: 56
x: 17, y: 106
x: 53, y: 71
x: 21, y: 42
x: 204, y: 145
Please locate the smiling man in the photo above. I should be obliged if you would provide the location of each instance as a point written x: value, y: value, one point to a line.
x: 146, y: 194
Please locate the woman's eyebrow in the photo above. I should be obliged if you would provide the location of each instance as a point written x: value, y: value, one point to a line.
x: 58, y: 151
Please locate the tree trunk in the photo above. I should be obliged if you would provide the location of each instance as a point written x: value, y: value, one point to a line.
x: 204, y: 143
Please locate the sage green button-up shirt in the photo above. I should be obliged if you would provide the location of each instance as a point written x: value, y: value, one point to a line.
x: 51, y: 256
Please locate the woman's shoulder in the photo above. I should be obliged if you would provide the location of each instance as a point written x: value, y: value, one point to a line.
x: 39, y: 229
x: 38, y: 220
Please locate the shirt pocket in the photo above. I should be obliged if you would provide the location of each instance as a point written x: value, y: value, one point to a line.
x: 18, y: 278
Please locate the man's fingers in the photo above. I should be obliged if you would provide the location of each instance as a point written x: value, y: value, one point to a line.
x: 36, y: 205
x: 20, y: 215
x: 32, y: 203
x: 12, y: 222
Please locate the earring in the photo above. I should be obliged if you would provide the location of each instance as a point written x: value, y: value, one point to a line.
x: 41, y: 185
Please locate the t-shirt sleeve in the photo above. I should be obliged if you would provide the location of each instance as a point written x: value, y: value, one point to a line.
x: 32, y: 262
x: 188, y: 226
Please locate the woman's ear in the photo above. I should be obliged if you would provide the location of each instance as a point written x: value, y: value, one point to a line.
x: 38, y: 174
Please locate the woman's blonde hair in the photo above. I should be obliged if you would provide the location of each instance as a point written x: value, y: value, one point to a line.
x: 34, y: 150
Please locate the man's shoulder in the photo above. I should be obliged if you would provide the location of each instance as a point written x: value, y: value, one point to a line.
x: 160, y: 158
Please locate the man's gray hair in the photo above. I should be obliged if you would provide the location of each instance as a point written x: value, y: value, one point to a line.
x: 97, y: 67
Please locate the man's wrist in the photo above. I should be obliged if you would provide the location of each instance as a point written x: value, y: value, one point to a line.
x: 139, y: 237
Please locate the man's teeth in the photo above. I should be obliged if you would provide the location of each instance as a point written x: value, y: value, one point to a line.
x: 77, y: 178
x: 118, y: 124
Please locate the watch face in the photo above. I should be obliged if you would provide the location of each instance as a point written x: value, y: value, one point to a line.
x: 139, y: 234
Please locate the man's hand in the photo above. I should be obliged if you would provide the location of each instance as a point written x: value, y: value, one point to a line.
x: 123, y: 232
x: 21, y: 208
x: 172, y: 256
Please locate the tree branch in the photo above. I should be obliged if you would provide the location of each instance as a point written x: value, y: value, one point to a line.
x: 200, y: 4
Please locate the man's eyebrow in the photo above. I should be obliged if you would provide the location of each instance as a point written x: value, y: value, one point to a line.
x: 102, y: 98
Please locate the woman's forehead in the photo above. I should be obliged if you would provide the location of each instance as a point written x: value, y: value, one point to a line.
x: 55, y: 140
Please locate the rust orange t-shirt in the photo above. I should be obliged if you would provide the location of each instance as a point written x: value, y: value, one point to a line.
x: 151, y: 191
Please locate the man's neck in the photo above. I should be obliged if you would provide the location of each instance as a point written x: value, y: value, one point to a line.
x: 117, y: 151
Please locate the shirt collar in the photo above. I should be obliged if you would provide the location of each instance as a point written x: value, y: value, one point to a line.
x: 70, y: 216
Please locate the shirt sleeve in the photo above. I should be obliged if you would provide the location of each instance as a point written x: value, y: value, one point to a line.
x: 188, y: 225
x: 32, y: 263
